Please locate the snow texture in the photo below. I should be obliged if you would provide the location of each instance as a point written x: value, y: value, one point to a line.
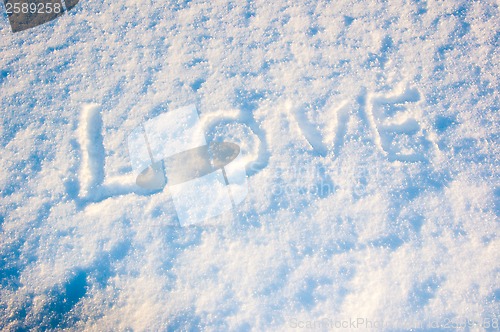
x: 370, y: 135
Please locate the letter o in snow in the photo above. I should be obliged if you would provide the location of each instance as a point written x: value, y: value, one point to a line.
x: 204, y: 180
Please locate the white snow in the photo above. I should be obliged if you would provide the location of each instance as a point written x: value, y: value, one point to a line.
x: 370, y: 135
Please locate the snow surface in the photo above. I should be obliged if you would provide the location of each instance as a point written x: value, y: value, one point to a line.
x: 370, y: 131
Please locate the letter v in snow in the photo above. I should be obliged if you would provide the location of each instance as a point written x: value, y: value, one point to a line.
x: 27, y: 14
